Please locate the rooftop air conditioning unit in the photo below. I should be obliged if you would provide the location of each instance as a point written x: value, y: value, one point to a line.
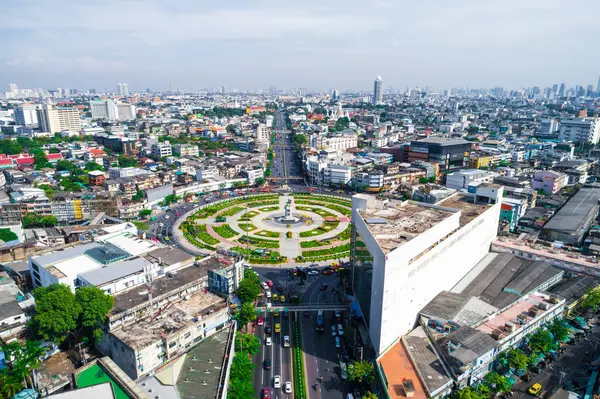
x: 509, y: 327
x: 544, y: 305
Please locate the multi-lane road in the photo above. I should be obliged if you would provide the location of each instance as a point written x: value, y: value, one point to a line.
x: 320, y: 353
x: 286, y: 163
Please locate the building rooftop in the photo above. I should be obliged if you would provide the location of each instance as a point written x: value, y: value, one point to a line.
x: 458, y: 308
x: 115, y: 271
x: 464, y: 203
x: 100, y: 391
x: 572, y: 217
x: 442, y: 141
x: 169, y: 256
x: 572, y: 289
x: 397, y: 368
x: 177, y: 316
x: 472, y: 343
x: 399, y: 222
x: 431, y: 369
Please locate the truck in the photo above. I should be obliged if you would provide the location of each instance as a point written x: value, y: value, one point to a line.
x: 220, y: 219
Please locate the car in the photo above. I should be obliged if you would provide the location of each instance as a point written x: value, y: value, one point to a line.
x: 264, y: 285
x: 277, y: 381
x: 266, y: 393
x: 307, y: 313
x: 275, y: 296
x: 286, y: 341
x: 328, y: 271
x: 323, y: 287
x: 276, y: 313
x: 338, y: 315
x: 313, y: 273
x: 286, y: 313
x: 268, y: 329
x: 268, y: 341
x: 260, y: 321
x: 340, y: 329
x: 277, y: 327
x: 282, y: 299
x: 167, y: 216
x: 267, y: 364
x: 535, y: 389
x: 338, y: 342
x: 333, y: 331
x: 269, y: 283
x: 287, y: 387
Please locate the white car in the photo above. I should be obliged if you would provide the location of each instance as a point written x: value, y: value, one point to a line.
x: 268, y: 341
x: 340, y: 329
x: 333, y: 331
x: 286, y: 341
x: 338, y: 343
x: 313, y: 273
x: 287, y: 387
x: 277, y: 382
x: 264, y: 285
x: 167, y: 216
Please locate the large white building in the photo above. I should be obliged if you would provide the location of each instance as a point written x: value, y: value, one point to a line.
x: 262, y: 132
x: 104, y: 109
x: 377, y: 91
x: 26, y: 115
x: 338, y: 142
x: 160, y: 150
x: 125, y: 112
x: 582, y: 130
x: 55, y: 119
x: 461, y: 179
x: 407, y: 252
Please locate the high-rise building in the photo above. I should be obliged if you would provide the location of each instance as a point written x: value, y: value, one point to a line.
x: 125, y: 90
x: 223, y: 89
x: 125, y: 112
x: 120, y: 89
x: 26, y: 115
x: 262, y: 133
x: 12, y: 87
x: 580, y: 130
x: 55, y: 119
x: 590, y: 91
x: 377, y: 91
x: 561, y: 90
x: 598, y: 87
x: 103, y: 109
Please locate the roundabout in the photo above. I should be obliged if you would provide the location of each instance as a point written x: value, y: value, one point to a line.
x: 273, y: 229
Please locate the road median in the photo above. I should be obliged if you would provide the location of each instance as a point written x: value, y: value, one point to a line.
x: 298, y: 361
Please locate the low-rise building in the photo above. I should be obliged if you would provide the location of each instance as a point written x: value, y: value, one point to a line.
x: 548, y: 181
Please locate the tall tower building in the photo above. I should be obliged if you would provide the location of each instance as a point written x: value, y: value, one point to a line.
x: 561, y: 90
x: 120, y: 89
x: 55, y: 119
x: 125, y: 90
x: 13, y: 87
x: 378, y: 91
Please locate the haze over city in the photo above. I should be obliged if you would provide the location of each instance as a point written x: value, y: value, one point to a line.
x: 342, y: 44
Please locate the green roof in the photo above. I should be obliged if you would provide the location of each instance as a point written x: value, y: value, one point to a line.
x: 97, y: 375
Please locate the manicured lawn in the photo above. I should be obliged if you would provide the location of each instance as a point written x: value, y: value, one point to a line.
x: 326, y: 227
x: 326, y: 252
x: 225, y: 231
x: 269, y: 209
x: 247, y: 226
x: 266, y: 233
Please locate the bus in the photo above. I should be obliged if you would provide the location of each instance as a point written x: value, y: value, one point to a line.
x: 320, y: 323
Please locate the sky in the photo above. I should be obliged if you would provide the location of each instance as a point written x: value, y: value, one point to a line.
x: 320, y: 44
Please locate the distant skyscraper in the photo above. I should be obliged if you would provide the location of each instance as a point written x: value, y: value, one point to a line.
x: 12, y: 87
x: 598, y: 87
x: 590, y: 91
x: 223, y: 89
x: 120, y: 89
x: 125, y: 90
x: 377, y: 91
x: 335, y: 95
x: 561, y: 90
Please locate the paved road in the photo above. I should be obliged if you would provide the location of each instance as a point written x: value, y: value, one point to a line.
x: 569, y: 370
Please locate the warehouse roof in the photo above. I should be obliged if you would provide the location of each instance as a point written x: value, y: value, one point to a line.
x: 573, y: 216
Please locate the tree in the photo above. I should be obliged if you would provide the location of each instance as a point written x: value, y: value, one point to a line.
x: 138, y: 196
x: 144, y: 213
x: 22, y: 359
x: 241, y: 385
x: 497, y: 382
x: 48, y: 190
x: 93, y: 166
x: 467, y: 393
x: 541, y: 341
x: 361, y: 371
x: 56, y: 312
x: 260, y: 181
x: 247, y: 343
x: 126, y: 162
x: 95, y: 305
x: 54, y: 151
x: 249, y: 288
x: 40, y: 161
x: 369, y: 395
x: 559, y: 329
x: 342, y: 123
x: 33, y: 219
x: 299, y: 140
x: 591, y: 299
x: 423, y: 180
x: 517, y: 359
x: 246, y: 314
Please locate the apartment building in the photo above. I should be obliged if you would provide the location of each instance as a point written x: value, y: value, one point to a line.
x: 186, y: 150
x: 548, y: 181
x: 27, y: 115
x: 335, y: 141
x: 161, y: 150
x: 460, y: 180
x: 56, y: 119
x: 581, y: 130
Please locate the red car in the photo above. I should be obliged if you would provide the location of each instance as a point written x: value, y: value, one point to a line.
x: 260, y: 321
x: 269, y: 283
x: 266, y: 393
x: 328, y: 271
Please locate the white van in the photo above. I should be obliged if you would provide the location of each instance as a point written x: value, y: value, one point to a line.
x: 268, y: 294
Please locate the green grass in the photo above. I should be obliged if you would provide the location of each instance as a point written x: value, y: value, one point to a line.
x: 202, y: 235
x: 262, y: 203
x: 325, y: 228
x: 319, y: 211
x: 232, y: 211
x: 225, y: 231
x: 341, y: 255
x: 97, y: 375
x: 248, y: 215
x: 269, y: 209
x: 247, y: 226
x: 314, y: 197
x: 298, y: 362
x: 344, y: 211
x: 267, y: 233
x: 259, y: 242
x: 314, y: 243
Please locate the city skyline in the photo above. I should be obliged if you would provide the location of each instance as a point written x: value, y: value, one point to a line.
x: 462, y: 43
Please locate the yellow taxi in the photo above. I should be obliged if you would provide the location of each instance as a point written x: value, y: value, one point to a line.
x: 277, y: 327
x: 282, y: 299
x: 274, y: 297
x: 535, y: 389
x: 276, y: 313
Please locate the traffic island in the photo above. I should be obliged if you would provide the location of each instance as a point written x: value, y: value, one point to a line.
x: 298, y: 361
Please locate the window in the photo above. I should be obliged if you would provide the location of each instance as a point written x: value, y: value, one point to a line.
x: 172, y: 344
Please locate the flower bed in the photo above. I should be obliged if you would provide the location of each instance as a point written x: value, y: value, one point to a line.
x: 202, y: 234
x: 337, y: 208
x: 319, y: 211
x: 314, y: 243
x: 269, y: 209
x: 327, y: 251
x: 325, y: 228
x: 247, y: 226
x: 267, y: 233
x: 232, y: 211
x: 258, y: 242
